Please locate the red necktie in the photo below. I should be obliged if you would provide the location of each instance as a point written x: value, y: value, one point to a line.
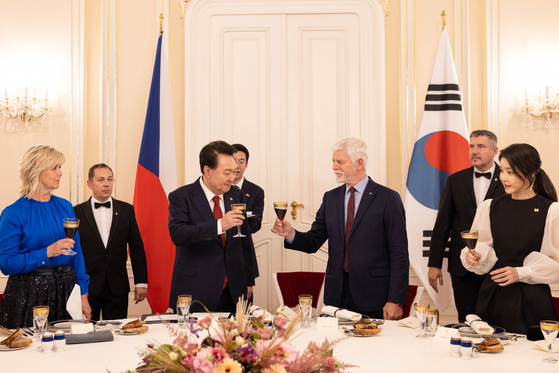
x: 349, y: 223
x: 218, y: 214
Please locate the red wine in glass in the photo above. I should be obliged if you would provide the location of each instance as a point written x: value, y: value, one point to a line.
x: 281, y: 210
x: 470, y: 239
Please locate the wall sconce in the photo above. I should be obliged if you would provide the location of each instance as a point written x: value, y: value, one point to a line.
x: 543, y: 111
x: 23, y: 113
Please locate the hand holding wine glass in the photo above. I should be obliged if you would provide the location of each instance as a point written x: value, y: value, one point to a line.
x: 71, y: 226
x: 240, y: 207
x: 470, y: 239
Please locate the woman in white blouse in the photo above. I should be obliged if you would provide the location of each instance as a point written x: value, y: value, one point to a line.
x: 518, y: 244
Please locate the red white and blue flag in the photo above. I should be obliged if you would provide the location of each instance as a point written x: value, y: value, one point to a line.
x: 441, y: 149
x: 156, y: 177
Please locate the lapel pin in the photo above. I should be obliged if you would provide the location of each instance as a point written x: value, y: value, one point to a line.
x: 536, y: 210
x: 116, y: 213
x: 496, y: 179
x: 248, y: 195
x: 370, y: 192
x: 230, y: 199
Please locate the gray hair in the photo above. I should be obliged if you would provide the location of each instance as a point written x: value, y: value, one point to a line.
x: 490, y: 135
x: 355, y: 148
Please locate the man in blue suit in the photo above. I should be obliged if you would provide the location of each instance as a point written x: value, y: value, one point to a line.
x: 364, y: 223
x: 210, y: 264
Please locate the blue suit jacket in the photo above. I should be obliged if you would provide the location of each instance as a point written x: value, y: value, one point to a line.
x: 201, y: 259
x: 378, y: 247
x: 254, y: 196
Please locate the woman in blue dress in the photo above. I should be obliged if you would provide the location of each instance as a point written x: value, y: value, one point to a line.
x: 33, y: 245
x: 518, y: 244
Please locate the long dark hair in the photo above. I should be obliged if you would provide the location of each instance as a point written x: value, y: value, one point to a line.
x: 526, y: 163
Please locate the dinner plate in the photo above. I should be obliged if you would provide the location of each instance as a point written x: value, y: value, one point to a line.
x: 459, y: 326
x: 124, y: 332
x: 107, y: 325
x: 66, y: 325
x: 6, y: 348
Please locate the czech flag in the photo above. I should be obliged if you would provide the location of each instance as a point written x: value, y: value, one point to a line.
x: 156, y: 177
x: 441, y: 149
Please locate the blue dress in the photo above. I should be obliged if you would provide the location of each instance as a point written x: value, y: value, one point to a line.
x: 27, y: 228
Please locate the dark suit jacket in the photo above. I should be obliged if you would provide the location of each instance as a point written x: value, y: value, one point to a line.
x: 378, y: 247
x: 254, y: 196
x: 457, y: 210
x: 110, y: 263
x: 201, y: 259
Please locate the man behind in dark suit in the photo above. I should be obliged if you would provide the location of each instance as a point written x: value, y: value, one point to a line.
x: 107, y: 227
x: 463, y: 192
x: 210, y: 264
x: 368, y: 265
x: 254, y: 196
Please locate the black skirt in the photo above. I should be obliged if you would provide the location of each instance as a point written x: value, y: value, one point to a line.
x: 50, y: 286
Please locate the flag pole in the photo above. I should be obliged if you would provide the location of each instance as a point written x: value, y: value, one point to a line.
x: 161, y: 23
x: 443, y: 15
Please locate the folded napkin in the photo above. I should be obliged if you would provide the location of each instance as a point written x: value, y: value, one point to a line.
x: 74, y: 303
x: 340, y: 313
x: 91, y: 337
x: 480, y: 326
x: 409, y: 322
x: 257, y: 312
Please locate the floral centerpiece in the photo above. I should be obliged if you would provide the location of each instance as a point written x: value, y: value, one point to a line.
x: 238, y: 345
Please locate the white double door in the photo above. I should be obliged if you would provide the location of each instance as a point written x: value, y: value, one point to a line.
x: 287, y: 86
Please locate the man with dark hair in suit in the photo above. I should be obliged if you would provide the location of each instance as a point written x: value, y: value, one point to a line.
x: 463, y: 192
x: 254, y: 196
x: 364, y: 223
x: 108, y: 230
x: 210, y: 264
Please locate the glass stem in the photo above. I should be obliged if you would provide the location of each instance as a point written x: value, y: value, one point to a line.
x: 549, y: 348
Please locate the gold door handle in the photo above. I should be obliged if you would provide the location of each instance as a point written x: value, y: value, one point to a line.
x: 294, y: 206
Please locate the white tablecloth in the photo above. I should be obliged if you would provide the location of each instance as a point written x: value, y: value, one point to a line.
x: 395, y: 349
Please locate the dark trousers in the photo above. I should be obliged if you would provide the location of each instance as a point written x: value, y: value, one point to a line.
x: 348, y: 304
x: 226, y: 303
x: 112, y: 307
x: 466, y: 290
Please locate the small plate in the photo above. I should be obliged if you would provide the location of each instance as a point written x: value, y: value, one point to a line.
x: 6, y: 348
x: 504, y: 339
x: 488, y: 352
x: 124, y: 332
x: 350, y: 332
x: 459, y: 326
x: 66, y: 325
x: 107, y: 325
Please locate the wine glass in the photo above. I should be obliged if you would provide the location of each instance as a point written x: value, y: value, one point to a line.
x: 470, y: 239
x: 40, y: 316
x: 241, y: 207
x: 549, y: 331
x: 71, y: 226
x: 281, y: 210
x: 421, y: 314
x: 183, y: 309
x: 305, y: 304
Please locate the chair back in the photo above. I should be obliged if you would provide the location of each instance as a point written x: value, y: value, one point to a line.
x: 414, y: 294
x: 290, y: 284
x: 556, y: 304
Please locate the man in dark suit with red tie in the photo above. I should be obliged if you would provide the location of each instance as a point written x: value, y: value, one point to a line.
x: 254, y: 196
x: 364, y: 223
x: 463, y: 192
x: 108, y: 231
x: 210, y: 264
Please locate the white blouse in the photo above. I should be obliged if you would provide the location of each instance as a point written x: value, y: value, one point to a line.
x: 539, y: 267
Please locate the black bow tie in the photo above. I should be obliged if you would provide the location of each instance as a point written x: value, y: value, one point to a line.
x: 484, y: 174
x: 106, y: 204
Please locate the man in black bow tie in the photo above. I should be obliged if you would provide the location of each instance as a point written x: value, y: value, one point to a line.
x: 463, y: 192
x: 107, y: 230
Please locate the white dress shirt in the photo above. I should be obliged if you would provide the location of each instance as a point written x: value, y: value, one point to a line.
x: 240, y: 183
x: 103, y: 218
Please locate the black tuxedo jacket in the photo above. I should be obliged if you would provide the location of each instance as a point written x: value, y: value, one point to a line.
x: 457, y: 209
x: 378, y: 247
x: 201, y: 259
x: 110, y: 263
x: 254, y: 196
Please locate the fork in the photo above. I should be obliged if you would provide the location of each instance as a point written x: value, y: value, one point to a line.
x: 27, y: 332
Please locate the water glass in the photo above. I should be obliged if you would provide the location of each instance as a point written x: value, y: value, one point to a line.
x: 421, y: 314
x: 40, y: 316
x: 431, y: 322
x: 305, y: 304
x: 549, y: 330
x: 183, y: 310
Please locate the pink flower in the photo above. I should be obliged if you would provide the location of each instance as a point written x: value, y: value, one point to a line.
x: 202, y: 365
x: 329, y: 361
x: 280, y: 322
x: 219, y: 354
x: 205, y: 322
x: 287, y: 352
x: 264, y: 333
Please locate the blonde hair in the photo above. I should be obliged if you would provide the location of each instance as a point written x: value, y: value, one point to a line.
x: 34, y: 162
x: 355, y: 148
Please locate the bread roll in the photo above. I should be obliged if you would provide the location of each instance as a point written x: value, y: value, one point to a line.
x: 139, y: 329
x: 15, y: 335
x: 366, y: 331
x: 20, y: 342
x: 133, y: 324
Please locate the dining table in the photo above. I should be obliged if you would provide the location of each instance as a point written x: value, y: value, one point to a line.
x: 394, y: 349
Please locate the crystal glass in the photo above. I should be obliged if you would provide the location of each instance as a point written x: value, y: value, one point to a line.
x: 183, y: 310
x: 431, y: 322
x: 241, y: 207
x: 549, y: 330
x: 71, y: 226
x: 40, y: 316
x: 305, y: 304
x: 281, y: 210
x: 470, y: 239
x: 421, y: 314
